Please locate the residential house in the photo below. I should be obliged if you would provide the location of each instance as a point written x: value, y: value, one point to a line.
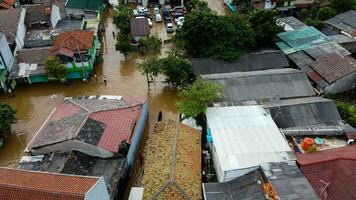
x: 268, y: 59
x: 115, y: 171
x: 82, y: 8
x: 331, y: 172
x: 269, y: 181
x: 78, y: 51
x: 284, y: 5
x: 241, y: 138
x: 344, y: 23
x: 41, y: 15
x: 345, y: 41
x: 13, y: 27
x: 139, y: 28
x: 29, y: 65
x: 6, y: 63
x: 99, y: 126
x: 31, y: 185
x: 262, y: 85
x: 172, y: 168
x: 8, y: 4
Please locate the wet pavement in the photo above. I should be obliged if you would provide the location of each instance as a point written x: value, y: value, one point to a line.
x: 35, y: 102
x: 217, y: 6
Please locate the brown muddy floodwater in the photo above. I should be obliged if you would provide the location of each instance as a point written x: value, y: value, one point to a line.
x: 34, y: 102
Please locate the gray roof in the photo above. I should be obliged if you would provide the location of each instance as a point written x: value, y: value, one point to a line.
x: 264, y: 84
x: 270, y: 59
x: 288, y: 181
x: 139, y: 27
x: 342, y: 39
x: 9, y: 20
x: 293, y: 22
x: 345, y: 21
x: 67, y: 25
x: 36, y: 13
x: 325, y: 49
x: 77, y: 163
x: 246, y: 187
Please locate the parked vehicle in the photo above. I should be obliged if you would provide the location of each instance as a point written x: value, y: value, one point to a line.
x: 180, y: 21
x: 158, y: 18
x: 165, y: 12
x: 156, y: 10
x: 140, y: 11
x: 180, y: 9
x: 167, y: 19
x: 177, y: 14
x: 169, y: 27
x: 176, y: 20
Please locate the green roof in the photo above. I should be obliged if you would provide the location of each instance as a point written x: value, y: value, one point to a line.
x: 94, y: 5
x: 300, y: 39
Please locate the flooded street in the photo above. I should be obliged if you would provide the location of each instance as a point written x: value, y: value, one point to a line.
x: 35, y: 102
x: 217, y: 6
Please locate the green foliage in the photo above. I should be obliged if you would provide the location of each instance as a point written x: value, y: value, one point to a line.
x: 304, y: 14
x: 325, y: 13
x: 207, y: 35
x: 197, y: 5
x: 7, y: 117
x: 314, y: 10
x: 197, y: 96
x: 244, y: 6
x: 121, y: 18
x: 343, y: 5
x: 347, y: 112
x: 123, y: 44
x: 176, y: 70
x: 264, y: 23
x: 152, y: 44
x: 318, y: 24
x: 55, y: 68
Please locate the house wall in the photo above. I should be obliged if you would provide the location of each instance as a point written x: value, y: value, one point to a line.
x: 135, y: 142
x: 344, y: 84
x: 21, y: 31
x: 98, y: 191
x: 74, y: 13
x: 6, y: 53
x: 55, y: 15
x: 75, y: 145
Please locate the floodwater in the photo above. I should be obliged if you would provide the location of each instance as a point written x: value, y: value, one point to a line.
x: 217, y: 6
x: 35, y: 102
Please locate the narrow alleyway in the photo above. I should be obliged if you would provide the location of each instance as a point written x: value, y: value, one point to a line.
x: 35, y: 102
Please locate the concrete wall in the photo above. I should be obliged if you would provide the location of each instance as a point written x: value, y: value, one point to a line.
x: 6, y: 53
x: 75, y: 145
x: 98, y: 191
x: 21, y: 31
x: 135, y: 142
x: 74, y: 13
x: 344, y: 84
x: 55, y: 15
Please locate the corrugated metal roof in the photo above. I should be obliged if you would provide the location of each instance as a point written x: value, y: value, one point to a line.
x: 292, y: 23
x: 345, y: 21
x: 264, y: 84
x: 246, y: 136
x: 270, y: 59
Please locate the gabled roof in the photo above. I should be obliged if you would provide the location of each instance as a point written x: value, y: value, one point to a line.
x: 270, y: 59
x: 37, y: 13
x: 68, y: 43
x: 173, y: 162
x: 139, y: 27
x: 102, y: 121
x: 31, y: 185
x: 334, y: 67
x: 7, y: 4
x: 345, y: 22
x: 331, y: 172
x: 263, y: 84
x: 90, y: 5
x: 291, y: 23
x: 9, y: 26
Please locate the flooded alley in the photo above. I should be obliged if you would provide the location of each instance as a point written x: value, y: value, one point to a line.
x: 35, y: 102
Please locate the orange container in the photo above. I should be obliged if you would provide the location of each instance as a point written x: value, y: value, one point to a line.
x: 307, y: 142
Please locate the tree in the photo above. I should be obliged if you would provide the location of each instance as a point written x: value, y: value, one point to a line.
x: 152, y: 44
x: 123, y: 44
x: 55, y: 68
x: 265, y: 25
x: 178, y: 71
x: 197, y: 5
x: 347, y: 112
x: 343, y: 5
x: 121, y: 18
x: 318, y: 24
x: 325, y: 13
x: 304, y: 14
x: 151, y: 68
x: 196, y: 96
x: 244, y: 6
x: 7, y: 117
x: 205, y: 34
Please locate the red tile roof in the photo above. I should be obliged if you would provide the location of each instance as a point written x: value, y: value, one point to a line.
x: 7, y: 3
x: 120, y: 125
x: 334, y: 67
x: 31, y: 185
x: 331, y: 172
x: 67, y: 43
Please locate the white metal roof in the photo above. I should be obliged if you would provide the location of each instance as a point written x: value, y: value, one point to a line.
x: 246, y: 136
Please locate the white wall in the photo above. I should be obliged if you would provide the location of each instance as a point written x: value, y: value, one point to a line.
x: 21, y: 31
x: 6, y: 53
x: 55, y: 15
x: 98, y: 191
